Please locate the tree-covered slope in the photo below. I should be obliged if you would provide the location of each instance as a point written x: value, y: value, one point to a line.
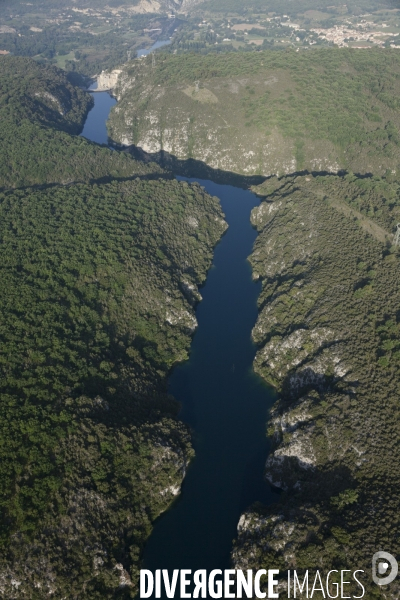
x: 39, y: 108
x: 265, y: 112
x: 97, y: 291
x: 329, y: 340
x: 98, y: 283
x: 34, y: 155
x: 41, y: 94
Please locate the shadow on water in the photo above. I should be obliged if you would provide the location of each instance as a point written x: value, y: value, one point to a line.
x: 192, y: 168
x: 198, y: 169
x: 224, y: 402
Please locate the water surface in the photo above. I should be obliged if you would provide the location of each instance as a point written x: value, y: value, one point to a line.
x: 95, y: 125
x: 146, y: 51
x: 222, y: 400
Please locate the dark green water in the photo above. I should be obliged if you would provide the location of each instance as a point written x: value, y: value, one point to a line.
x: 223, y: 401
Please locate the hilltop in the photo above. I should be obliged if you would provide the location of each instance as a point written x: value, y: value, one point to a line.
x: 264, y: 113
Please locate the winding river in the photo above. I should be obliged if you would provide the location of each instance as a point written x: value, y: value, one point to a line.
x: 223, y: 401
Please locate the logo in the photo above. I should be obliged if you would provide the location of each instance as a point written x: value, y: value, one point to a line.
x: 381, y: 561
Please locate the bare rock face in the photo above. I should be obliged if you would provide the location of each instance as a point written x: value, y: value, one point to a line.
x: 255, y: 113
x: 108, y: 80
x: 293, y: 432
x: 327, y: 315
x: 206, y: 123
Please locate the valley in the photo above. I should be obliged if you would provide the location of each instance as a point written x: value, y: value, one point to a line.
x: 89, y: 37
x: 327, y: 332
x: 207, y: 361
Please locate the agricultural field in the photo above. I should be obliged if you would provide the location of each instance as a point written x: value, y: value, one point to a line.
x: 83, y: 39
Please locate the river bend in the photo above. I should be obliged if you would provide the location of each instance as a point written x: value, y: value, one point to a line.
x: 223, y: 401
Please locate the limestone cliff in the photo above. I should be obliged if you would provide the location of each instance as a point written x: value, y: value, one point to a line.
x: 328, y: 333
x: 108, y: 80
x: 263, y: 113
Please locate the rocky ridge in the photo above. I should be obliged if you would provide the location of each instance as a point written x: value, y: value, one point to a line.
x: 329, y: 298
x: 263, y: 113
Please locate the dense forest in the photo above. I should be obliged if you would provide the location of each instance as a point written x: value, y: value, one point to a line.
x: 98, y: 285
x: 38, y: 109
x: 101, y: 258
x: 265, y: 113
x: 41, y: 95
x: 329, y: 341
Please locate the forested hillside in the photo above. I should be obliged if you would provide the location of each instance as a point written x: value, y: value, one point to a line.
x: 329, y: 342
x: 264, y: 113
x: 98, y: 285
x: 99, y: 279
x: 41, y: 95
x: 38, y: 109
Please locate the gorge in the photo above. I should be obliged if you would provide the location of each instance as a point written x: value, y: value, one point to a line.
x: 321, y: 453
x: 223, y: 401
x: 105, y: 390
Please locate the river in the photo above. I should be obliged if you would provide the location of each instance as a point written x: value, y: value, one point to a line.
x: 223, y: 401
x: 158, y: 44
x: 95, y: 125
